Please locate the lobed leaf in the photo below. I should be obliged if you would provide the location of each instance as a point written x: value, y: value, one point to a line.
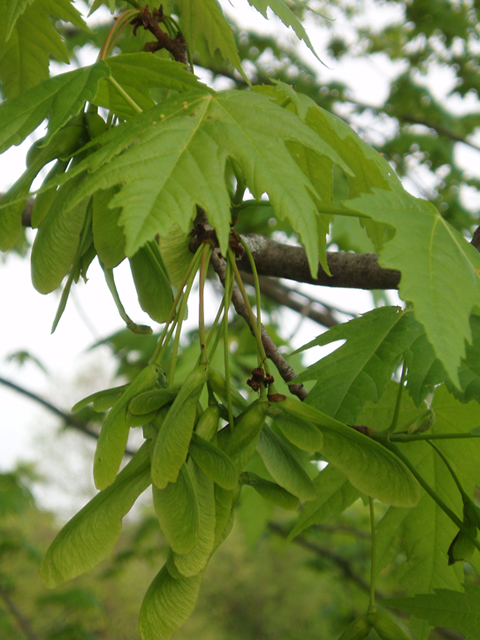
x: 138, y: 73
x: 445, y: 608
x: 416, y: 540
x: 173, y: 157
x: 433, y: 258
x: 286, y: 15
x: 27, y: 44
x: 362, y: 367
x: 205, y: 19
x: 60, y: 97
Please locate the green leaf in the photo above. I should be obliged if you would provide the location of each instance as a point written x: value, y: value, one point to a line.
x: 213, y: 462
x: 138, y: 73
x: 205, y: 19
x: 362, y: 367
x: 176, y: 507
x: 425, y: 371
x: 271, y: 491
x: 433, y: 258
x: 25, y: 52
x: 60, y: 97
x: 334, y: 495
x: 284, y: 466
x: 14, y: 10
x: 91, y: 534
x: 422, y: 535
x: 445, y: 608
x: 168, y: 603
x: 469, y: 370
x: 173, y: 157
x: 176, y: 254
x: 286, y: 15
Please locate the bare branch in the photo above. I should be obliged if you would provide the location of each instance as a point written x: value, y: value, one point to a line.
x: 303, y: 304
x: 19, y: 617
x: 68, y: 418
x: 350, y: 270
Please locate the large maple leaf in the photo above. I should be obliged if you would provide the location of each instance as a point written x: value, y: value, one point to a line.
x: 174, y: 156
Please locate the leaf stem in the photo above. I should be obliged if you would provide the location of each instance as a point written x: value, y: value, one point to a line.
x: 133, y: 326
x: 431, y: 492
x: 257, y: 291
x: 396, y: 413
x: 201, y: 312
x: 118, y: 26
x: 226, y: 347
x: 124, y: 94
x: 215, y: 330
x: 192, y: 267
x: 413, y: 437
x: 465, y: 497
x: 181, y: 317
x: 253, y: 320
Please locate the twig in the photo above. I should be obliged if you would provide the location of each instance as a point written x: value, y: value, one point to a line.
x: 70, y: 420
x: 20, y: 619
x: 284, y: 369
x: 289, y: 298
x: 324, y: 552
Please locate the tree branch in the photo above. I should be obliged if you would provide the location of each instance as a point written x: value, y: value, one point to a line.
x: 20, y: 619
x: 68, y: 418
x: 300, y: 302
x: 349, y: 270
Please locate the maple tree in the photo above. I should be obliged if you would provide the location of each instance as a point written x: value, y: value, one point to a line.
x: 154, y: 166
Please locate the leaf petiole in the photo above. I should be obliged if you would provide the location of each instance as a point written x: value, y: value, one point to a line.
x: 192, y: 268
x: 227, y: 300
x: 465, y: 497
x: 257, y: 292
x: 124, y: 95
x: 396, y: 413
x: 253, y: 320
x: 431, y: 492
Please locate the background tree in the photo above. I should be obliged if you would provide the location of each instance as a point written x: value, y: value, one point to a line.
x: 154, y: 166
